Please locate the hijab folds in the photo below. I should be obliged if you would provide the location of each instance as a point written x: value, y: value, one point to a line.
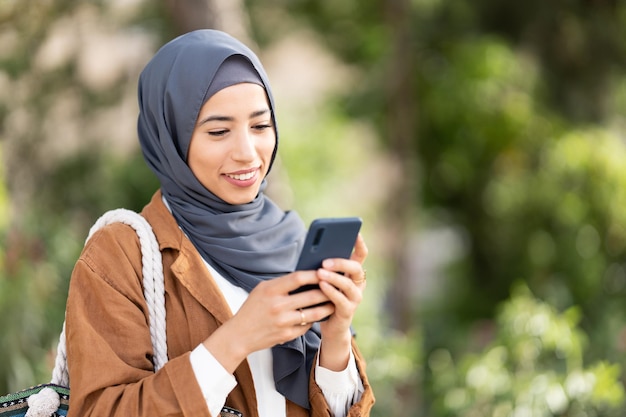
x: 246, y: 243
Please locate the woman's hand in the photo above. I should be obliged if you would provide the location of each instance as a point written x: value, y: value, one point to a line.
x: 345, y: 292
x: 269, y: 316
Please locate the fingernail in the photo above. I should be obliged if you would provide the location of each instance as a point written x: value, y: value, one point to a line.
x: 328, y: 263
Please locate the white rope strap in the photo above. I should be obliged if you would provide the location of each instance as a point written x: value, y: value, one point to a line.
x: 153, y: 287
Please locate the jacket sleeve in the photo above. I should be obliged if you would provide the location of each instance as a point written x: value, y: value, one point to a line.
x: 319, y: 406
x: 108, y: 339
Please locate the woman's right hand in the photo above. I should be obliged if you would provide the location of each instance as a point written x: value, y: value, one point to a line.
x: 269, y: 316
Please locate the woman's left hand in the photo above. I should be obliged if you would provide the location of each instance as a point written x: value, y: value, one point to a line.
x: 343, y: 282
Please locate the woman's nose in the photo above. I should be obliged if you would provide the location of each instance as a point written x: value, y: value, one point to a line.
x: 244, y: 149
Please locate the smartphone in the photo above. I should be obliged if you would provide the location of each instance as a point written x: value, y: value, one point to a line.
x: 327, y: 238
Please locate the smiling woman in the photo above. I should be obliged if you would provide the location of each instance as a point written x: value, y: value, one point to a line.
x: 234, y: 139
x: 239, y: 341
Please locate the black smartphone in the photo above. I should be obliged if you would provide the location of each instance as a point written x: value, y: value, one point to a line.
x: 327, y: 238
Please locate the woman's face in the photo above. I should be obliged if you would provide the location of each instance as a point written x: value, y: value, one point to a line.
x: 232, y: 143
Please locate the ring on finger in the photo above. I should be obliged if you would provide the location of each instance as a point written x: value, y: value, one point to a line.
x: 302, y: 318
x: 362, y: 280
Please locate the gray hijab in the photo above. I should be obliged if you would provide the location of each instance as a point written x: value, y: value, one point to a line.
x: 246, y: 243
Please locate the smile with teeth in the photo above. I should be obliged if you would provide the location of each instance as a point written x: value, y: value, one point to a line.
x: 242, y: 177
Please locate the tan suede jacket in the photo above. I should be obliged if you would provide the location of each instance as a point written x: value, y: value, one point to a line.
x: 108, y: 339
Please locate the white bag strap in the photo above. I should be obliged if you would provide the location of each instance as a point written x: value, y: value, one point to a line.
x: 153, y: 288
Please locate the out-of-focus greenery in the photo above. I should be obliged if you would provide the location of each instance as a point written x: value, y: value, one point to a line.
x: 533, y: 367
x: 532, y: 196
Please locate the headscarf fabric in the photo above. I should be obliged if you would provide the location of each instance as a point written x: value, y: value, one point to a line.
x: 246, y: 243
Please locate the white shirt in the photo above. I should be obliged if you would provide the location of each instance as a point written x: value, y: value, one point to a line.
x: 341, y: 389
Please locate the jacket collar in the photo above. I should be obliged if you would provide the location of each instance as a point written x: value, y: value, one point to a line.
x: 188, y: 266
x: 164, y: 225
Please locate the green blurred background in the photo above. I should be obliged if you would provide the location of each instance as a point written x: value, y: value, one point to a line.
x: 482, y: 141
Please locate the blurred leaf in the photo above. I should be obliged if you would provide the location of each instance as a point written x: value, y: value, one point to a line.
x: 533, y: 366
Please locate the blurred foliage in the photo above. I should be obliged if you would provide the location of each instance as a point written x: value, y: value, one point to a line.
x: 533, y: 367
x: 329, y: 182
x: 532, y: 195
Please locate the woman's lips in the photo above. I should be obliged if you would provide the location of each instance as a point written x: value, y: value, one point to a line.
x: 242, y: 178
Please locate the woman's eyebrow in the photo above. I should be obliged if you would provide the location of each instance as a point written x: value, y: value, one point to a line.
x: 214, y: 118
x: 259, y: 113
x: 218, y: 118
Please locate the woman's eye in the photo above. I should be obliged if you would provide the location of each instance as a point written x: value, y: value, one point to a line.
x: 262, y: 127
x: 218, y: 132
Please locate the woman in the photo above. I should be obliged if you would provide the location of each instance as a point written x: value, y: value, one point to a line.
x: 236, y: 337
